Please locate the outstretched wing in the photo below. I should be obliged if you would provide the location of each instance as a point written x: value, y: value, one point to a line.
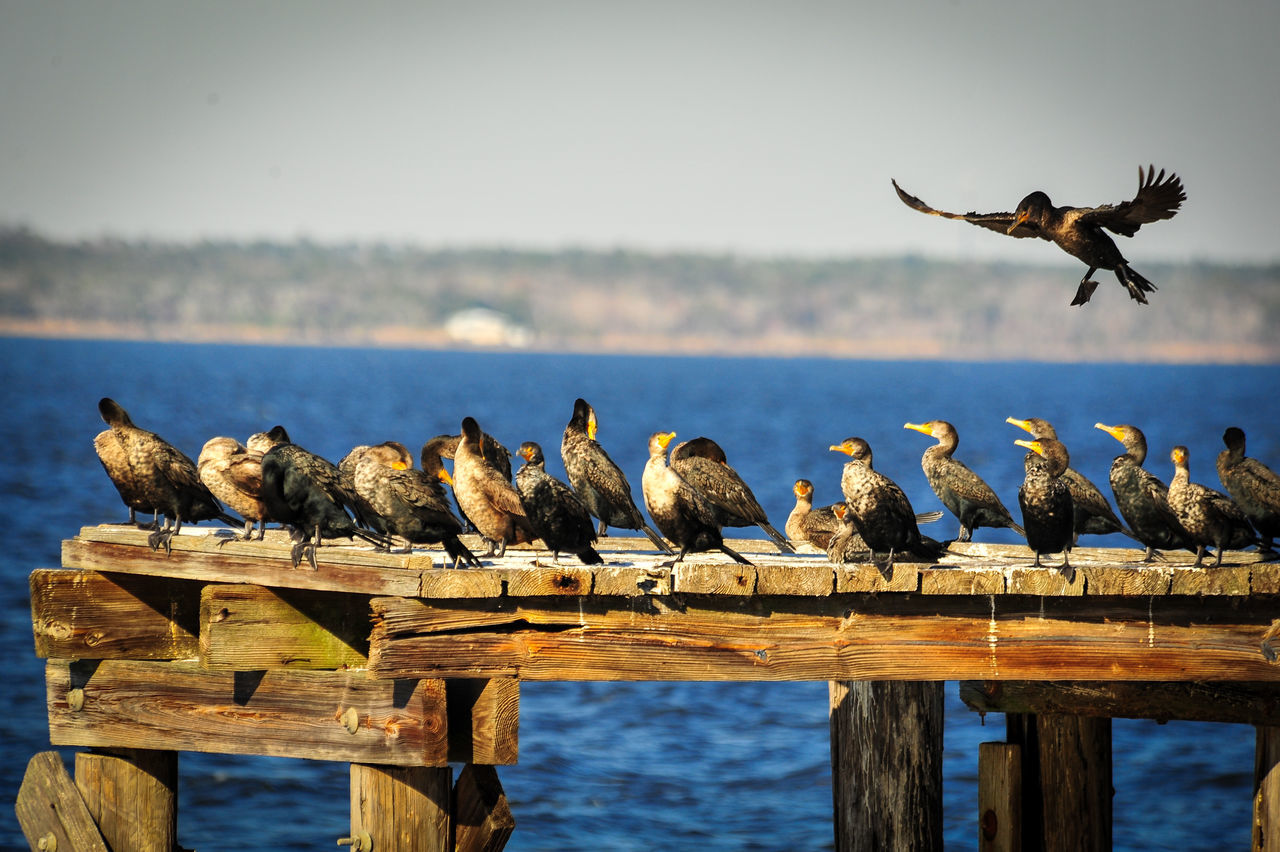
x: 994, y: 221
x: 1158, y: 198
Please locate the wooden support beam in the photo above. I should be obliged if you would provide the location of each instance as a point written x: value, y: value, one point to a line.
x: 90, y: 615
x: 840, y: 637
x: 249, y: 628
x: 484, y: 721
x: 482, y: 820
x: 1250, y: 702
x: 311, y: 714
x: 51, y: 811
x: 403, y: 808
x: 1075, y: 782
x: 1266, y: 791
x: 886, y: 765
x: 133, y: 797
x: 999, y: 797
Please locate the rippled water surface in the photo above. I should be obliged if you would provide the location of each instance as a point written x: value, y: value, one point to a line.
x: 642, y: 766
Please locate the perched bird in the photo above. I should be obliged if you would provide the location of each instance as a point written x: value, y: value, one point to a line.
x: 599, y: 483
x: 703, y: 464
x: 234, y: 475
x: 1208, y: 517
x: 1141, y: 497
x: 392, y: 454
x: 486, y: 496
x: 554, y: 511
x: 410, y: 503
x: 260, y: 442
x: 115, y: 461
x: 846, y: 545
x: 1092, y: 513
x: 1253, y: 486
x: 305, y: 492
x: 679, y: 509
x: 1079, y: 231
x: 1045, y: 499
x: 962, y: 491
x: 880, y: 509
x: 162, y: 477
x: 490, y: 447
x: 807, y: 524
x: 818, y: 526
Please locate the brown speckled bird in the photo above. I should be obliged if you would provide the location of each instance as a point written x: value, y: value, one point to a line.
x: 486, y: 496
x: 704, y: 465
x: 554, y: 511
x: 1141, y: 497
x: 965, y: 494
x: 234, y: 475
x: 679, y: 509
x: 1253, y: 486
x: 1209, y: 517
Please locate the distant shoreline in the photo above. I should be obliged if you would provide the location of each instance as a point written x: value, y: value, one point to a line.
x: 773, y: 346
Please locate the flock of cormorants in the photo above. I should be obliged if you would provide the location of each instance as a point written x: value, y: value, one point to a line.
x: 690, y: 491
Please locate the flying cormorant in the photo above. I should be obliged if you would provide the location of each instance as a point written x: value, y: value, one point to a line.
x: 1079, y: 231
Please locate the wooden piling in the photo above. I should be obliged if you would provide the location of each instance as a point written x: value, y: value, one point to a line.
x: 132, y: 795
x: 482, y: 820
x: 886, y: 764
x: 999, y: 797
x: 402, y: 808
x: 1266, y: 791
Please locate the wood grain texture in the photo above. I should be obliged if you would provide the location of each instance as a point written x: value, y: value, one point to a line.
x: 1075, y: 782
x: 133, y: 796
x: 484, y: 721
x: 852, y: 637
x: 886, y: 765
x: 999, y: 797
x: 402, y: 808
x: 1266, y: 791
x: 482, y: 819
x: 249, y: 628
x: 50, y: 809
x: 89, y: 615
x: 180, y: 706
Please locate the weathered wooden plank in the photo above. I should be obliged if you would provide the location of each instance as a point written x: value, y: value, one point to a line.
x: 1266, y: 791
x: 886, y: 765
x: 482, y: 820
x: 1075, y: 782
x: 263, y: 569
x: 1265, y: 579
x: 90, y: 615
x: 405, y: 808
x: 714, y: 578
x: 809, y: 578
x: 850, y: 579
x: 1126, y: 580
x: 999, y: 797
x: 961, y: 581
x: 631, y: 581
x: 1252, y: 703
x: 484, y: 721
x: 344, y: 716
x: 539, y: 580
x: 249, y: 628
x: 133, y: 796
x: 1042, y: 581
x: 1227, y: 580
x: 851, y: 637
x: 459, y: 583
x: 51, y: 811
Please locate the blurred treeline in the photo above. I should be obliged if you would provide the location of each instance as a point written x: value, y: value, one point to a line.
x: 895, y: 307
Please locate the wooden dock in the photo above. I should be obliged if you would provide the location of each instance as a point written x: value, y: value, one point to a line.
x: 401, y: 667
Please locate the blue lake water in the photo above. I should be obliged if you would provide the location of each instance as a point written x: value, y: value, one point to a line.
x: 706, y: 766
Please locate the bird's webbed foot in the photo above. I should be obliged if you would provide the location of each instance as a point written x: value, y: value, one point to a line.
x: 301, y: 549
x: 161, y: 538
x: 1085, y: 290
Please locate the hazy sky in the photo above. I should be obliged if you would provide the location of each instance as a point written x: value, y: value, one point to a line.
x: 751, y: 127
